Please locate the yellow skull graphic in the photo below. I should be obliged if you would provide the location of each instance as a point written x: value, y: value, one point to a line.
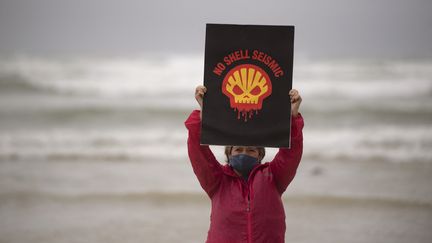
x: 246, y: 86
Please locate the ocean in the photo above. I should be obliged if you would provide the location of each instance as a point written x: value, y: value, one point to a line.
x: 93, y: 149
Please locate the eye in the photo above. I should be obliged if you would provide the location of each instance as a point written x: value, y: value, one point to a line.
x: 256, y: 90
x: 237, y: 90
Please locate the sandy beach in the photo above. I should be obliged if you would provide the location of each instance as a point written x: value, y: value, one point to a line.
x: 322, y: 205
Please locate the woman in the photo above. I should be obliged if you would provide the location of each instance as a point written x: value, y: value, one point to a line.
x: 245, y: 193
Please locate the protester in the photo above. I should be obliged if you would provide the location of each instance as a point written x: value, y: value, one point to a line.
x: 245, y: 193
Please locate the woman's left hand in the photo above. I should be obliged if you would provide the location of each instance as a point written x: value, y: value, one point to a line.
x: 295, y: 102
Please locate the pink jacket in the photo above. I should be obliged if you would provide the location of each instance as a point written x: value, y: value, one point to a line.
x: 243, y: 211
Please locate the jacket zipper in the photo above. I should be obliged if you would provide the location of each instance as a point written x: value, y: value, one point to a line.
x: 249, y: 216
x: 248, y: 210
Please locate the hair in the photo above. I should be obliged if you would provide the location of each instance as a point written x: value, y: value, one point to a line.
x: 261, y: 153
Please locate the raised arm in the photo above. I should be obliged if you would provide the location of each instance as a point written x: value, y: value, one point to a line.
x: 286, y: 161
x: 205, y: 166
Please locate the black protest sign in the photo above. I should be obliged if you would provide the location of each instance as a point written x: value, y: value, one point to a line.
x: 248, y: 76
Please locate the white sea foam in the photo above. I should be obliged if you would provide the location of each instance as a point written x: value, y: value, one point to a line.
x: 133, y: 108
x: 377, y: 143
x: 383, y: 143
x: 74, y: 145
x: 178, y: 75
x: 108, y: 77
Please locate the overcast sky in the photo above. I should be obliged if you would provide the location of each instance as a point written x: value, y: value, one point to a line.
x: 324, y: 28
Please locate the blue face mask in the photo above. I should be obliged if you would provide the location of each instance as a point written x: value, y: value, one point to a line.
x: 243, y: 164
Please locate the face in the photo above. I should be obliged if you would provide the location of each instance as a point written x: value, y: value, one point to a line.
x: 249, y: 150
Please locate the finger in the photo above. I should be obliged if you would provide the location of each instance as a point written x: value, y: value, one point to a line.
x: 295, y: 98
x: 199, y: 92
x: 294, y: 94
x: 201, y: 88
x: 197, y: 89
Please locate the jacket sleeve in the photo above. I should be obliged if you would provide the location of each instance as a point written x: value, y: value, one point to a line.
x: 286, y: 161
x: 205, y: 166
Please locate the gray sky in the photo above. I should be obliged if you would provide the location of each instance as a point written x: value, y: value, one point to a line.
x: 324, y: 29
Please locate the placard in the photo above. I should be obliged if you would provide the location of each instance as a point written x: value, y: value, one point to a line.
x: 248, y: 76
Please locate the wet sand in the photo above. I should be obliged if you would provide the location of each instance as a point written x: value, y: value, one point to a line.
x: 168, y: 218
x: 327, y: 202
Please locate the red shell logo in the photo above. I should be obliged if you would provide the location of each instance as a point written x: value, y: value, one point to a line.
x: 246, y: 86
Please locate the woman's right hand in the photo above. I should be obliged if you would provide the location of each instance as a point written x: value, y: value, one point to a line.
x: 199, y: 94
